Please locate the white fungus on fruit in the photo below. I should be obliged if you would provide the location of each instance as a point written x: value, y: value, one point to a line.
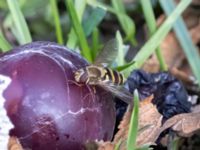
x: 5, y: 124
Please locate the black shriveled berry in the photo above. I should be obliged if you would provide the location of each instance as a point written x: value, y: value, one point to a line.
x: 170, y: 96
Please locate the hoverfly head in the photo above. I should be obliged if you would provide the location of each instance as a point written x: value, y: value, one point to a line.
x: 81, y: 75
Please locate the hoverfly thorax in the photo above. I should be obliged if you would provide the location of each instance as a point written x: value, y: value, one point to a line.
x: 90, y: 75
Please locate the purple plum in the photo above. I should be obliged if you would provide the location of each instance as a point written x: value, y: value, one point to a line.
x: 48, y: 109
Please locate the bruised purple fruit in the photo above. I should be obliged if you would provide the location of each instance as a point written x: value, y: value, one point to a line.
x: 47, y: 107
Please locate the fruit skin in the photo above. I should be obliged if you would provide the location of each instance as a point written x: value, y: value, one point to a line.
x: 47, y: 107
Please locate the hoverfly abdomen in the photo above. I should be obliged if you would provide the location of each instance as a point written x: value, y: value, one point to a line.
x: 114, y: 76
x: 121, y: 79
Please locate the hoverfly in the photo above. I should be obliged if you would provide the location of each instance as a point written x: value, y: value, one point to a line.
x: 99, y: 74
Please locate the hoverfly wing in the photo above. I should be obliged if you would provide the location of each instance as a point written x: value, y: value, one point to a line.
x: 117, y: 91
x: 108, y: 54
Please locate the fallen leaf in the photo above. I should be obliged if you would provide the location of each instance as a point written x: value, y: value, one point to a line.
x: 184, y: 124
x: 149, y: 123
x: 194, y: 32
x: 191, y: 15
x: 196, y: 109
x: 14, y: 144
x: 106, y: 146
x: 123, y: 127
x: 171, y: 50
x: 189, y: 81
x: 148, y: 128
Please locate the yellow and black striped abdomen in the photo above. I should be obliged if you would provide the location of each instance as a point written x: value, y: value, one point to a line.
x: 114, y: 76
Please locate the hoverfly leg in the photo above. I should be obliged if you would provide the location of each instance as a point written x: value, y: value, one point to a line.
x: 76, y: 83
x: 87, y: 81
x: 94, y: 89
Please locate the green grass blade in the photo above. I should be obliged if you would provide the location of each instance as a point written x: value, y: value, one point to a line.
x: 117, y: 146
x: 184, y: 38
x: 118, y: 9
x: 95, y: 3
x: 120, y: 57
x: 160, y: 34
x: 32, y: 7
x: 85, y: 50
x: 174, y: 144
x: 125, y: 66
x: 133, y: 126
x: 95, y: 43
x: 4, y: 44
x: 72, y: 38
x: 20, y: 23
x: 145, y: 147
x: 126, y: 22
x: 3, y: 5
x: 104, y: 6
x: 80, y: 8
x: 55, y: 14
x: 151, y: 24
x: 93, y: 20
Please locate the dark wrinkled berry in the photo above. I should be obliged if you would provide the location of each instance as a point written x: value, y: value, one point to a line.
x: 49, y: 110
x: 170, y: 96
x: 121, y: 107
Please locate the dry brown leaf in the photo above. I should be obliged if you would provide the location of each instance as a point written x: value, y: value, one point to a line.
x: 171, y: 49
x: 14, y: 144
x: 191, y: 15
x: 123, y: 127
x: 150, y: 121
x: 196, y: 109
x: 188, y: 81
x: 184, y: 124
x: 121, y: 135
x: 105, y: 146
x: 124, y: 124
x: 194, y: 32
x: 148, y: 127
x: 185, y: 78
